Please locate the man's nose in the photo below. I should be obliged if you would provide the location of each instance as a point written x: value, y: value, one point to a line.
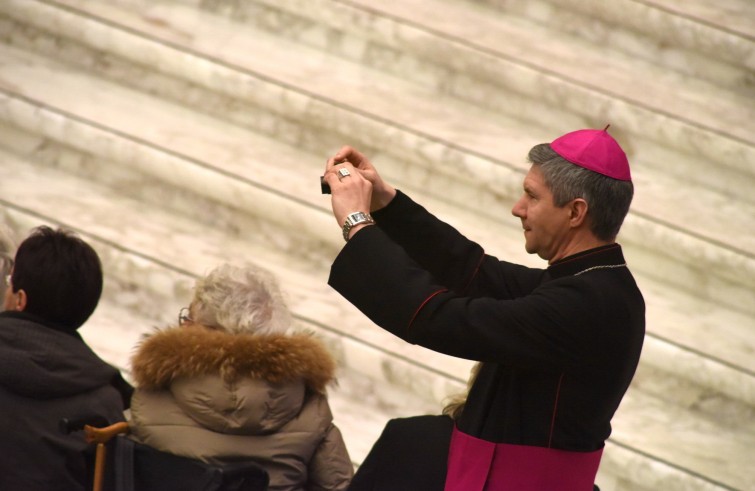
x: 518, y: 209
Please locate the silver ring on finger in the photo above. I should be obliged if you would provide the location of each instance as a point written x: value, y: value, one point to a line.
x: 343, y: 173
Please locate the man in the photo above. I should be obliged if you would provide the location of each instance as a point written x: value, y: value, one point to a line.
x: 558, y: 346
x: 47, y: 372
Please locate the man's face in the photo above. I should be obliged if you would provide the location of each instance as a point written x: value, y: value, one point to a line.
x: 546, y: 227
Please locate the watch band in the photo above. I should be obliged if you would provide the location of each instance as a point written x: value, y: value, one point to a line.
x: 354, y: 219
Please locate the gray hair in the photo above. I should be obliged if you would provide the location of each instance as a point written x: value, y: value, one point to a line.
x: 608, y: 199
x: 240, y: 300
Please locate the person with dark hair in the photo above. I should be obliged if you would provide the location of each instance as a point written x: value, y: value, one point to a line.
x: 47, y: 371
x: 556, y: 348
x: 57, y: 277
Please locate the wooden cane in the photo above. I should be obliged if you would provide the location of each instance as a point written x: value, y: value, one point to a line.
x: 101, y: 436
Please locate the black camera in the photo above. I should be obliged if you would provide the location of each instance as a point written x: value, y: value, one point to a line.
x: 324, y: 186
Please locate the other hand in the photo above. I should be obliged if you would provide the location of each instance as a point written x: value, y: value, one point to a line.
x: 382, y: 192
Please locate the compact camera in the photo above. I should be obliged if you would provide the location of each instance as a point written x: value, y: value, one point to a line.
x: 324, y: 186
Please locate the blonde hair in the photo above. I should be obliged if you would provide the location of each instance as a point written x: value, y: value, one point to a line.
x: 455, y: 405
x: 240, y: 300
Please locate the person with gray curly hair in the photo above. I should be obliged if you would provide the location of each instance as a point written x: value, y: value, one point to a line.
x: 240, y: 300
x: 229, y: 383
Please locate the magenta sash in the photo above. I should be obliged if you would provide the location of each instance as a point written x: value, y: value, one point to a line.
x: 479, y: 465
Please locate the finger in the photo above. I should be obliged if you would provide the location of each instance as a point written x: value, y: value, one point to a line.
x: 333, y: 164
x: 332, y: 179
x: 349, y: 154
x: 344, y: 153
x: 335, y: 159
x: 332, y: 167
x: 329, y: 164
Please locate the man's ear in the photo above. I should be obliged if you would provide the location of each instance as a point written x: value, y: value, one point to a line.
x: 21, y: 299
x: 577, y: 212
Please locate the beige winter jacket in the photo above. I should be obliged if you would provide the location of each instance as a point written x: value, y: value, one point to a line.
x: 222, y: 397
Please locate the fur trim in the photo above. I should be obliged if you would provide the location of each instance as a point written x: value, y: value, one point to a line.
x: 194, y: 350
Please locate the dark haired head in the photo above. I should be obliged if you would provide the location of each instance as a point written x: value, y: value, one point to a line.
x: 61, y: 275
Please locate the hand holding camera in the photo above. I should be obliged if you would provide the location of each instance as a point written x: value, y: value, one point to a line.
x: 382, y: 192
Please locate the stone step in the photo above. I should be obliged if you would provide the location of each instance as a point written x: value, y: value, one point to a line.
x: 663, y: 318
x: 707, y: 40
x: 245, y: 182
x: 689, y: 267
x: 254, y: 54
x: 672, y: 315
x: 150, y: 265
x: 457, y: 51
x: 216, y: 182
x: 165, y: 152
x: 225, y: 157
x: 622, y: 469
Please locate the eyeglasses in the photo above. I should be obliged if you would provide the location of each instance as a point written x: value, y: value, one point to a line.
x: 183, y: 316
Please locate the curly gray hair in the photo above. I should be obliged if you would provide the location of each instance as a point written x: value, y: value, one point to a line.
x: 240, y: 300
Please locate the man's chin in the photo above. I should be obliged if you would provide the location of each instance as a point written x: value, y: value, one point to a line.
x: 530, y: 248
x: 534, y: 250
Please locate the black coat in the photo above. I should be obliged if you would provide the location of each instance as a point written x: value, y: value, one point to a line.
x: 559, y: 346
x: 47, y: 374
x: 410, y: 455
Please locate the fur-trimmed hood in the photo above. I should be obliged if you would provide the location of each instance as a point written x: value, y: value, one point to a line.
x: 220, y: 397
x: 193, y: 351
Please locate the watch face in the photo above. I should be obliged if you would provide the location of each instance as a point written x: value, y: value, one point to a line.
x: 355, y: 217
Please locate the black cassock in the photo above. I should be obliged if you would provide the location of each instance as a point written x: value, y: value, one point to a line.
x: 558, y: 346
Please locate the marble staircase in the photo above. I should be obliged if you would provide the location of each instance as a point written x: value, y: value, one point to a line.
x: 176, y: 135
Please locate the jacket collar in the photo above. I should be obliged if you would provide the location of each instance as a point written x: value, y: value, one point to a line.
x: 608, y: 255
x: 26, y: 316
x: 191, y: 351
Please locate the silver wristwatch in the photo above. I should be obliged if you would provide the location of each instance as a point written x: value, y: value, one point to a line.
x: 353, y: 219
